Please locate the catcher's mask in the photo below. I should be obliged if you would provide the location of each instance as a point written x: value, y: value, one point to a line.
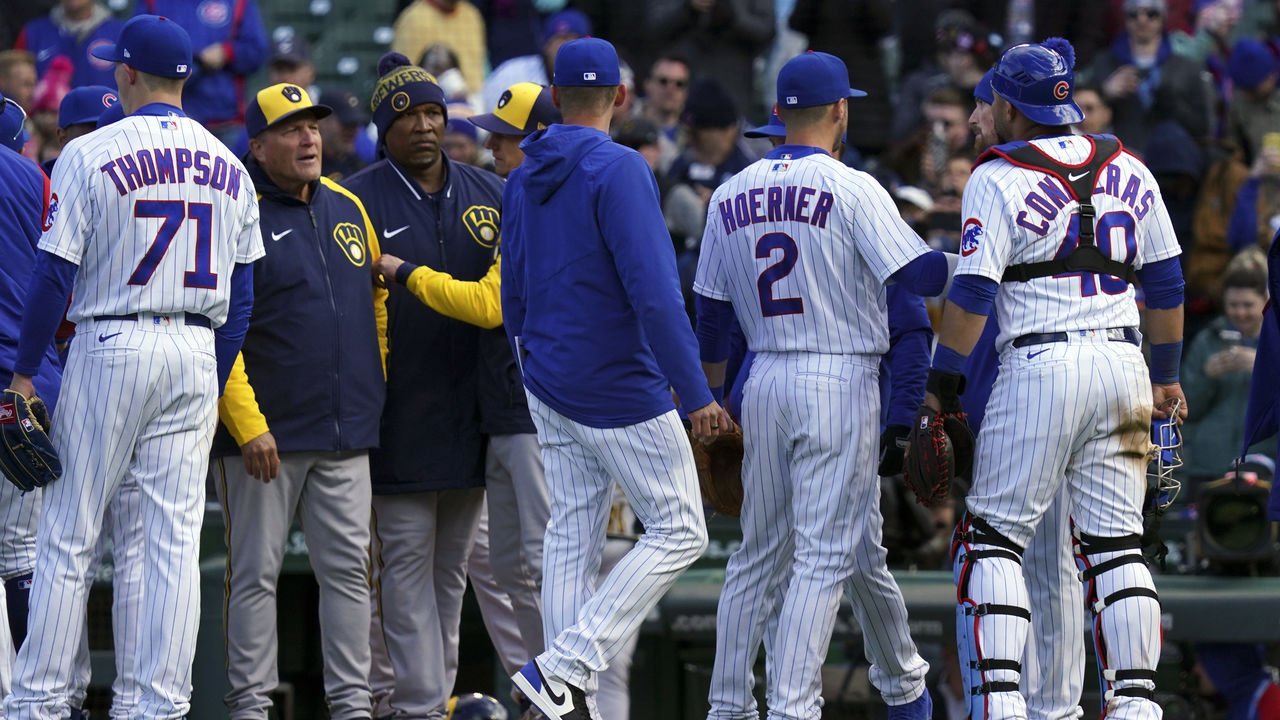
x: 1166, y: 456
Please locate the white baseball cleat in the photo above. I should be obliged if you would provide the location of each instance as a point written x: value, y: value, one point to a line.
x: 556, y: 699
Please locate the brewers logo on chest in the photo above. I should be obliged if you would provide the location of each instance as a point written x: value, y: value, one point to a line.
x: 351, y: 240
x: 483, y: 222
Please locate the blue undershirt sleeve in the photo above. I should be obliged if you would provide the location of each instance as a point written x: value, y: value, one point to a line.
x: 925, y: 276
x: 973, y: 293
x: 1162, y: 283
x: 714, y: 320
x: 46, y: 299
x: 228, y: 338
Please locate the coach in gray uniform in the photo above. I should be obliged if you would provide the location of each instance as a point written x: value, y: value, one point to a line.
x: 301, y: 409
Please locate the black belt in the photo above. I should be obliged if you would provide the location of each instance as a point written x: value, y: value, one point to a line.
x: 1125, y: 334
x: 194, y: 319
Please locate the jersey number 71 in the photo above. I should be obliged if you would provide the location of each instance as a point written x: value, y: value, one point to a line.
x: 174, y: 212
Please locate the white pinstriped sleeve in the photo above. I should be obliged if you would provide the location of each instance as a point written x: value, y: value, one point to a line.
x: 75, y: 217
x: 710, y: 279
x: 883, y: 238
x: 1156, y: 238
x: 987, y: 225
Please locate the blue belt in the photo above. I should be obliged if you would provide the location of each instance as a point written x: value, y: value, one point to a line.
x: 195, y: 319
x: 1122, y: 334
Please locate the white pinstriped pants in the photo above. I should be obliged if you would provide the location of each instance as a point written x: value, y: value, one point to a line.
x: 810, y: 513
x: 585, y: 625
x: 144, y: 405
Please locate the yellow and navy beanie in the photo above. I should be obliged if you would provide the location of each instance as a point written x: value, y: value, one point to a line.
x: 279, y: 102
x: 402, y: 85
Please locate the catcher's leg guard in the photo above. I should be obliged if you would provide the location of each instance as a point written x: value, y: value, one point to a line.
x: 1126, y: 622
x: 992, y: 618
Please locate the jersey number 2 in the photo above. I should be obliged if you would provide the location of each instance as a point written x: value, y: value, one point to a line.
x: 770, y: 305
x: 174, y: 212
x: 1105, y: 224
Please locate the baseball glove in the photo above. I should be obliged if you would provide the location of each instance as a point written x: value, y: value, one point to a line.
x: 940, y: 446
x: 27, y: 458
x: 719, y: 466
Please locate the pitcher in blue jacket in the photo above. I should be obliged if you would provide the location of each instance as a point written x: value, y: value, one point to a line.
x: 591, y: 301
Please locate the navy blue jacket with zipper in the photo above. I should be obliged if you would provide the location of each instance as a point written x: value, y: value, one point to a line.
x: 311, y: 368
x: 431, y: 433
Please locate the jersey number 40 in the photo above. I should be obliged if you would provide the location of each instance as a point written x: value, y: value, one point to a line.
x: 174, y: 212
x: 1106, y: 224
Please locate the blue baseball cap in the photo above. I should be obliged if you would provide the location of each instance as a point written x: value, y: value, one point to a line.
x: 587, y: 62
x: 1038, y: 80
x: 774, y: 128
x: 812, y: 79
x: 13, y: 131
x: 152, y: 44
x: 85, y: 105
x: 566, y: 22
x: 115, y: 113
x: 982, y: 91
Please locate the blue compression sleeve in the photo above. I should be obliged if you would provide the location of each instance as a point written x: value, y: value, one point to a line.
x: 973, y: 293
x: 1162, y: 282
x: 714, y: 319
x: 228, y: 338
x: 925, y: 276
x: 1165, y: 358
x: 46, y: 299
x: 947, y: 360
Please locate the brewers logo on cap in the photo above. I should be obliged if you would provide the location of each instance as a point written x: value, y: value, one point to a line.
x: 278, y: 102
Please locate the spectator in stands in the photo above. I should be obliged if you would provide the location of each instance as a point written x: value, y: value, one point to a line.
x: 965, y: 52
x: 666, y: 88
x: 513, y: 27
x: 290, y: 62
x: 1256, y: 216
x: 1145, y: 82
x: 456, y: 23
x: 440, y: 60
x: 713, y: 154
x: 462, y: 143
x: 1217, y: 371
x: 624, y: 23
x: 15, y: 14
x: 1210, y: 46
x: 230, y: 44
x: 338, y: 133
x: 1035, y: 20
x: 18, y: 77
x: 1178, y: 164
x: 558, y: 29
x: 1255, y: 106
x: 721, y: 38
x: 852, y: 31
x: 69, y: 30
x: 921, y: 159
x: 1097, y: 113
x: 1178, y: 16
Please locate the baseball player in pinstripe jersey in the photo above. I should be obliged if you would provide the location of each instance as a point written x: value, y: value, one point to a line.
x: 1053, y: 224
x: 799, y: 247
x: 301, y: 415
x: 156, y: 224
x: 592, y: 304
x: 1053, y: 663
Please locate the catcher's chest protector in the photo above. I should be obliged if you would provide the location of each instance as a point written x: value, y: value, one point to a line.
x: 1079, y: 180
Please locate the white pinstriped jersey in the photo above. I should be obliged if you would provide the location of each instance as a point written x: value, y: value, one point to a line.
x: 156, y: 212
x: 801, y: 245
x: 1016, y: 215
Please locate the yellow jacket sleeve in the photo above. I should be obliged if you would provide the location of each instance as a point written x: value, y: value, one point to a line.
x: 374, y: 252
x: 478, y: 302
x: 238, y: 406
